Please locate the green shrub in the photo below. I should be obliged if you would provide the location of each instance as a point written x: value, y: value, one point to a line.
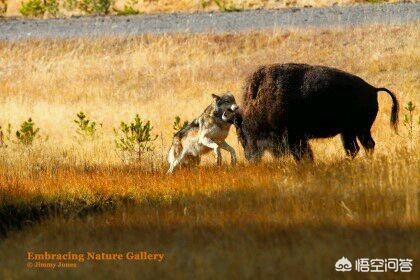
x: 32, y: 8
x: 70, y: 5
x: 205, y: 3
x: 37, y: 8
x: 227, y: 6
x: 128, y: 9
x: 3, y: 7
x: 27, y: 133
x: 51, y: 7
x: 223, y: 5
x: 86, y: 128
x: 95, y: 7
x: 409, y: 119
x: 375, y: 1
x: 135, y: 138
x: 177, y: 124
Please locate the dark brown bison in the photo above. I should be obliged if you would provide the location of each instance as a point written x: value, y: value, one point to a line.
x: 285, y: 105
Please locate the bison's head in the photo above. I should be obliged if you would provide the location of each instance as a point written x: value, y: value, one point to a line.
x: 251, y: 150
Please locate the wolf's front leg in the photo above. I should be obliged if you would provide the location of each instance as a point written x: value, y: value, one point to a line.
x: 227, y: 147
x: 212, y: 145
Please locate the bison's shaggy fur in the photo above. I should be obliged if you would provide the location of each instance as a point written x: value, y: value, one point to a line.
x: 284, y: 105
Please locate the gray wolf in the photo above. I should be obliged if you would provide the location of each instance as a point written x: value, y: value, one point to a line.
x: 206, y: 133
x: 285, y: 105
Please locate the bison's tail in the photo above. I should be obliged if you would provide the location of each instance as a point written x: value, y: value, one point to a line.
x: 395, y: 108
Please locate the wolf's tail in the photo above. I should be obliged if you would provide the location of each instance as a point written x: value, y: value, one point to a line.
x: 394, y: 109
x: 175, y: 150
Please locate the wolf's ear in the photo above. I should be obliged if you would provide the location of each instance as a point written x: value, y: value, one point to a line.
x: 215, y: 97
x: 229, y: 94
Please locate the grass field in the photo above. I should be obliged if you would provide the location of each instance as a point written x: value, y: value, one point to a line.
x: 269, y: 219
x: 170, y: 6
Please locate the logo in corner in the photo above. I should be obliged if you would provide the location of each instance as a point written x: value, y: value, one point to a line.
x: 343, y: 265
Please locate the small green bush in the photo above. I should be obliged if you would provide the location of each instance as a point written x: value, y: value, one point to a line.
x: 3, y: 7
x: 177, y: 124
x: 37, y: 8
x: 409, y: 119
x: 227, y: 6
x: 32, y: 8
x: 95, y: 7
x: 223, y: 5
x: 51, y: 7
x: 86, y: 128
x: 27, y: 133
x: 70, y: 5
x: 375, y: 1
x: 128, y: 9
x: 135, y: 138
x: 205, y: 3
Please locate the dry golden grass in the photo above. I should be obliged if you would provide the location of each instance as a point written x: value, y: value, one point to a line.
x: 161, y: 77
x: 258, y: 221
x: 170, y: 6
x: 268, y: 219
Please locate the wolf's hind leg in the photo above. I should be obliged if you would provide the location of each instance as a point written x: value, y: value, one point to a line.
x: 225, y: 146
x: 176, y: 162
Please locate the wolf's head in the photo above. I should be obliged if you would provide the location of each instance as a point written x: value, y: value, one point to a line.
x: 224, y: 105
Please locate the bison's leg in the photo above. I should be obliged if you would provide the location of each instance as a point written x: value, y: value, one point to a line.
x: 277, y: 152
x: 350, y: 144
x: 367, y: 141
x: 278, y: 148
x: 301, y: 150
